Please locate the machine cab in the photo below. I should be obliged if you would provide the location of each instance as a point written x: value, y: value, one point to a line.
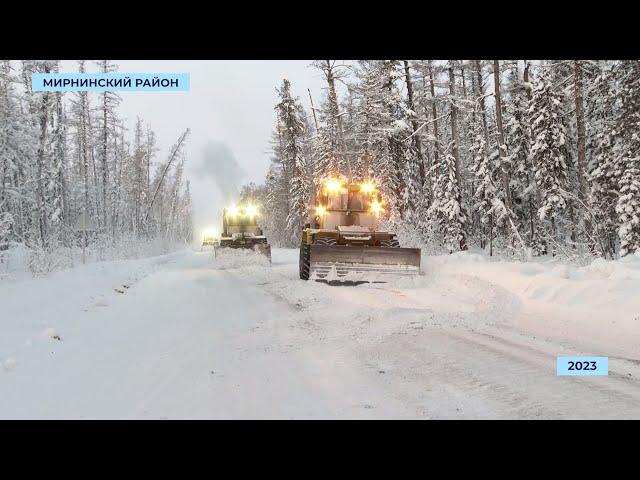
x: 240, y: 220
x: 347, y: 205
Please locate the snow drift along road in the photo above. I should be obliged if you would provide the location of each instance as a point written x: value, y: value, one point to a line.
x: 185, y: 336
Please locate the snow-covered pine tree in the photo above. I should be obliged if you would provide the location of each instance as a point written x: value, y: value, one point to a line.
x: 446, y: 207
x: 603, y: 170
x: 293, y: 132
x: 547, y: 151
x: 18, y: 143
x: 451, y: 203
x: 373, y: 148
x: 276, y: 196
x: 484, y: 197
x: 384, y: 131
x: 518, y: 143
x: 331, y: 156
x: 627, y: 153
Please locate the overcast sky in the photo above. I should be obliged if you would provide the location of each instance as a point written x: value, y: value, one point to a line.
x: 230, y: 111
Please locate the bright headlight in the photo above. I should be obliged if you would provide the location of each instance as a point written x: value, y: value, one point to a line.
x: 232, y: 211
x: 332, y: 185
x: 320, y: 210
x: 376, y: 207
x: 368, y: 187
x: 251, y: 211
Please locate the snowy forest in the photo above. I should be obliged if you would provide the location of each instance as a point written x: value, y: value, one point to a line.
x: 519, y: 158
x: 75, y: 184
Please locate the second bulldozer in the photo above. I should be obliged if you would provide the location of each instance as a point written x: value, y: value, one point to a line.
x: 342, y: 240
x: 240, y: 230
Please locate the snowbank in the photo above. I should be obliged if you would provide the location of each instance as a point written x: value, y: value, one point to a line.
x: 20, y: 262
x: 601, y: 284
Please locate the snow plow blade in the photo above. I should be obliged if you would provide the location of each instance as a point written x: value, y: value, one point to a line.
x: 261, y: 248
x: 345, y: 262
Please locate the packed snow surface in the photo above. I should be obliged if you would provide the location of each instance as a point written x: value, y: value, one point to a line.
x: 187, y: 335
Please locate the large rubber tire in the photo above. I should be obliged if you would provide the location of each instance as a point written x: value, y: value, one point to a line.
x: 325, y: 241
x: 390, y: 243
x: 304, y: 265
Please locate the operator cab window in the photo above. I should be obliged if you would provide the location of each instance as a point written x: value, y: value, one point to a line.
x: 338, y: 202
x: 358, y: 201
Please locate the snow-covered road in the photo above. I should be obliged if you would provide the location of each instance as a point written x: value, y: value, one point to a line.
x: 187, y: 336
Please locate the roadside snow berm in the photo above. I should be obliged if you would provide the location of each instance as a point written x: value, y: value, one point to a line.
x: 342, y: 241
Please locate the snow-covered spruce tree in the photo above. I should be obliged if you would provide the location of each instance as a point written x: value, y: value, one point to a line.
x: 518, y: 142
x: 484, y: 170
x: 446, y: 206
x: 295, y: 163
x: 276, y: 195
x: 383, y: 130
x: 547, y: 151
x: 563, y: 78
x: 331, y: 156
x: 450, y: 201
x: 373, y: 147
x: 627, y: 153
x: 603, y: 169
x: 48, y: 201
x: 401, y: 157
x: 18, y: 143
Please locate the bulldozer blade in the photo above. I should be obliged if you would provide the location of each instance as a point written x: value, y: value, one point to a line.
x: 263, y: 249
x: 351, y: 261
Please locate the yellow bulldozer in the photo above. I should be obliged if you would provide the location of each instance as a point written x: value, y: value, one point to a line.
x: 343, y: 241
x: 240, y: 230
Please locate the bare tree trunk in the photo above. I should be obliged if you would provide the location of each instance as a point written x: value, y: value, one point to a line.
x: 501, y: 146
x: 104, y: 161
x: 464, y: 84
x: 480, y: 94
x: 335, y: 109
x: 414, y: 122
x: 454, y: 125
x: 313, y: 110
x: 174, y: 152
x: 42, y: 215
x: 454, y: 149
x: 426, y: 126
x: 538, y: 201
x: 114, y: 189
x: 85, y: 165
x: 434, y: 116
x: 577, y: 76
x: 62, y: 181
